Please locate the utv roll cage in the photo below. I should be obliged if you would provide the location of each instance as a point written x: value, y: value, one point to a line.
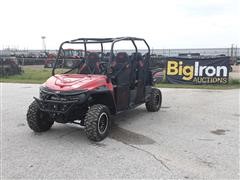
x: 100, y: 41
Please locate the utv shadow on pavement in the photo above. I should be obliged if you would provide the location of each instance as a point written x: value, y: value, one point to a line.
x: 118, y: 132
x: 63, y: 133
x: 128, y: 137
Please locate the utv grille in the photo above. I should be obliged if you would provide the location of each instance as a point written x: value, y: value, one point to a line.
x: 60, y: 97
x: 55, y: 106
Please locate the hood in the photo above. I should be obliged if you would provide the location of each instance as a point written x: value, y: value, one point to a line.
x: 72, y: 82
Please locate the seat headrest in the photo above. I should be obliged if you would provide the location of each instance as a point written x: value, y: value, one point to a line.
x: 121, y: 57
x: 137, y: 55
x: 92, y: 57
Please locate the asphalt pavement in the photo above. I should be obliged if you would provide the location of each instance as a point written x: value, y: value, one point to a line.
x: 194, y: 135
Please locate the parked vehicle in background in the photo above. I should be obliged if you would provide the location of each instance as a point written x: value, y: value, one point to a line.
x: 158, y: 75
x: 238, y: 61
x: 9, y: 66
x: 68, y: 58
x: 49, y: 61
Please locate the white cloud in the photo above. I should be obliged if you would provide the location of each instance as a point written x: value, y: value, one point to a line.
x: 165, y: 24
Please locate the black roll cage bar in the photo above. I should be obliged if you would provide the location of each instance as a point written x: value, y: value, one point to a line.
x: 86, y: 41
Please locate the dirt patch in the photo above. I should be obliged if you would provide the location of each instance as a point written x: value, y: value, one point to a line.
x: 219, y: 131
x: 98, y: 144
x: 237, y: 115
x: 20, y: 124
x: 165, y: 107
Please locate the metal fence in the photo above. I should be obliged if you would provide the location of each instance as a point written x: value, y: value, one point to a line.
x: 203, y: 51
x: 232, y: 51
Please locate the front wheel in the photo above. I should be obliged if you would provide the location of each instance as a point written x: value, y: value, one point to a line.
x: 97, y: 122
x: 155, y: 100
x: 37, y: 120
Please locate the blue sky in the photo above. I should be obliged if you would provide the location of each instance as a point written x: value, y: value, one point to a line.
x: 164, y: 24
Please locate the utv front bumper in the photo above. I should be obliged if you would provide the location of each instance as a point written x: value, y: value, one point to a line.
x: 52, y: 106
x: 60, y: 102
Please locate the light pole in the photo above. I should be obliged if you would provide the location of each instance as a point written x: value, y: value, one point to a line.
x: 43, y: 43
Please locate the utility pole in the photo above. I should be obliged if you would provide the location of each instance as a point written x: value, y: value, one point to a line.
x: 236, y: 52
x: 232, y: 51
x: 43, y: 43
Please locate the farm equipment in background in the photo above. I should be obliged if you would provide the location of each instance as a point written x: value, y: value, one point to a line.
x: 157, y: 65
x: 50, y: 60
x: 69, y: 58
x: 9, y: 66
x: 158, y: 75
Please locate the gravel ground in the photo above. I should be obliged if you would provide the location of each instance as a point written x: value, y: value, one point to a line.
x: 194, y: 135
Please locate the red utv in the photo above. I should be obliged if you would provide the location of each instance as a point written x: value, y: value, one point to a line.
x: 100, y: 85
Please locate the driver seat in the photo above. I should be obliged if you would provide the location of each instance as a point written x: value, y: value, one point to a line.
x: 121, y: 69
x: 91, y: 65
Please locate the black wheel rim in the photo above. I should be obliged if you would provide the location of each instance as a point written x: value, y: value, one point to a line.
x: 102, y: 123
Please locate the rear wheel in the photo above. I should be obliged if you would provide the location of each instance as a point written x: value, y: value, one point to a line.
x: 155, y: 100
x: 37, y: 120
x: 97, y: 122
